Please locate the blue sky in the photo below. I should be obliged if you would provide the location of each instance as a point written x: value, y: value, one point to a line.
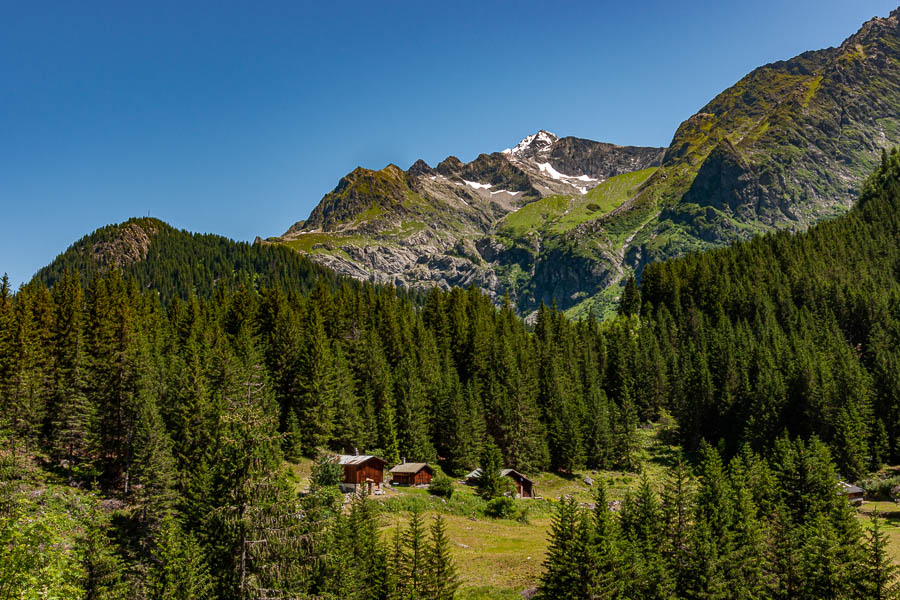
x: 235, y: 118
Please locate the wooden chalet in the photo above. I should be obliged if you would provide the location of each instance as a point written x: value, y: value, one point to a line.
x: 524, y: 486
x: 411, y: 474
x: 853, y: 493
x: 365, y: 470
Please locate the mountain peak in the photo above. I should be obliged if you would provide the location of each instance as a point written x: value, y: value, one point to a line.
x: 531, y: 145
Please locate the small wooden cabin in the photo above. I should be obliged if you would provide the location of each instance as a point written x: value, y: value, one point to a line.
x: 411, y: 474
x: 363, y: 470
x: 524, y: 486
x: 853, y: 493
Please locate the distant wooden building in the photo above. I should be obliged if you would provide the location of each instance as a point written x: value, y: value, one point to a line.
x: 524, y: 486
x: 366, y: 471
x: 412, y: 474
x: 854, y: 494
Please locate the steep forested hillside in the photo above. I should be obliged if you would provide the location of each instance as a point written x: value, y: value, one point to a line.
x: 179, y: 415
x: 179, y: 263
x: 790, y: 332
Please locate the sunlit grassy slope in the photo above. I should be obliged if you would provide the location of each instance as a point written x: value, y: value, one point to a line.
x: 558, y: 214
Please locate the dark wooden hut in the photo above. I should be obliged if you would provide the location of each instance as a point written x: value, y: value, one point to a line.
x: 412, y: 474
x: 854, y: 494
x: 524, y: 486
x: 363, y: 470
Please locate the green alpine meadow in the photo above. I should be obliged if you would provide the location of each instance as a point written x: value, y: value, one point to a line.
x: 567, y: 370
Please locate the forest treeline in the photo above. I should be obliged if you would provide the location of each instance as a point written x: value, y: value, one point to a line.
x: 177, y: 263
x: 750, y: 528
x: 193, y: 396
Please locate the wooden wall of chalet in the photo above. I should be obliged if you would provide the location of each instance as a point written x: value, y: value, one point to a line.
x: 523, y: 487
x: 360, y: 473
x: 423, y: 477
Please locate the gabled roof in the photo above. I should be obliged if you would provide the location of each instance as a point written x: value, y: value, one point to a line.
x: 411, y: 468
x: 503, y: 473
x: 849, y: 488
x: 350, y: 459
x: 511, y: 472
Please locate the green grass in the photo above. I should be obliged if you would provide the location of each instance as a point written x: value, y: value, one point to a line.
x: 304, y: 242
x: 496, y: 558
x: 604, y: 304
x: 534, y: 216
x: 558, y: 214
x: 602, y: 199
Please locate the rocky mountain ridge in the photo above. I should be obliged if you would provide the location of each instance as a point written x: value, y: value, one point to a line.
x: 564, y: 219
x: 435, y: 225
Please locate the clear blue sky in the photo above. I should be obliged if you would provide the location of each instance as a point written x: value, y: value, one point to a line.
x: 235, y: 118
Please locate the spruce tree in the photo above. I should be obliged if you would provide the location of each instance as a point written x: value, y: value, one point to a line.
x: 442, y: 580
x: 317, y: 377
x: 179, y: 570
x: 490, y: 483
x: 881, y: 573
x: 71, y: 415
x: 411, y: 561
x: 563, y: 566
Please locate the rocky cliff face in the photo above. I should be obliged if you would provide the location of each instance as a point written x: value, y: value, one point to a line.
x: 566, y: 219
x: 445, y: 225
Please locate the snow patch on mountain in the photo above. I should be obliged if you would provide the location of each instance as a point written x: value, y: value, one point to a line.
x: 540, y: 141
x: 478, y: 186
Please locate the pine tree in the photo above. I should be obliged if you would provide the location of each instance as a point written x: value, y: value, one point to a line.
x: 881, y: 573
x: 412, y: 415
x: 562, y: 578
x: 603, y: 562
x: 490, y: 483
x: 104, y: 571
x: 442, y: 580
x: 412, y: 560
x: 676, y: 519
x: 630, y: 303
x: 71, y: 415
x: 293, y: 437
x: 317, y: 377
x: 154, y: 469
x: 179, y: 571
x: 348, y: 432
x: 367, y: 556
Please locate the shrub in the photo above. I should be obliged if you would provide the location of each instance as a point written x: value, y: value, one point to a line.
x: 442, y: 486
x: 879, y: 489
x: 502, y: 507
x: 326, y: 472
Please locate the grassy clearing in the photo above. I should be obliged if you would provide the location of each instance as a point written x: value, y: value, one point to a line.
x: 603, y: 305
x: 497, y: 559
x: 890, y: 514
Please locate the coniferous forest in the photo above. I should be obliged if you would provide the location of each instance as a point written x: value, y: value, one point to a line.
x: 160, y: 403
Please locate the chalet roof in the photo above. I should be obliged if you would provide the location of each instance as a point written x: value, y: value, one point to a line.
x: 511, y: 472
x: 351, y: 459
x: 410, y: 468
x: 849, y: 488
x: 503, y: 473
